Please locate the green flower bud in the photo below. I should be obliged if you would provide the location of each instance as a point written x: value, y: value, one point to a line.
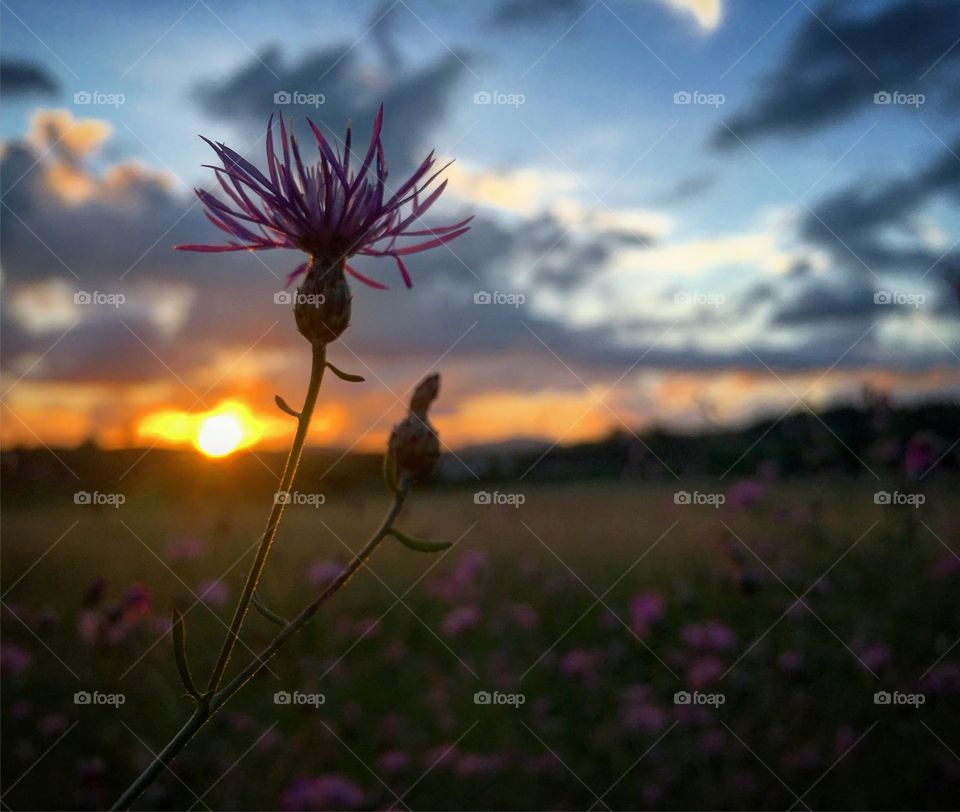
x: 414, y: 444
x: 322, y: 307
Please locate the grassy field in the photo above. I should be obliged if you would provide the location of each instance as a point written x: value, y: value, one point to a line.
x: 584, y: 612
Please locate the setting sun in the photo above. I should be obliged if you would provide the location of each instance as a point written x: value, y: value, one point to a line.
x: 219, y: 435
x: 225, y: 429
x: 216, y: 433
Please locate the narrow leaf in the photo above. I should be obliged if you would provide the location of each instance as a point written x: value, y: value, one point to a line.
x: 270, y: 615
x: 180, y: 653
x: 286, y: 407
x: 420, y: 545
x: 345, y: 376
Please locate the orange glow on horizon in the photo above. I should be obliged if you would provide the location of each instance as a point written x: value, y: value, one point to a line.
x: 144, y: 415
x: 216, y: 433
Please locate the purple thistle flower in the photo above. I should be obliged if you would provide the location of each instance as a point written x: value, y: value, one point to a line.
x: 14, y: 659
x: 645, y: 610
x: 214, y: 593
x: 325, y: 209
x: 322, y: 792
x: 394, y: 761
x: 461, y: 620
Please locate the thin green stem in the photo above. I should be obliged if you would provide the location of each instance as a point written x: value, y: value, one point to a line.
x: 204, y: 709
x: 276, y: 514
x: 294, y: 625
x: 209, y: 705
x: 164, y: 757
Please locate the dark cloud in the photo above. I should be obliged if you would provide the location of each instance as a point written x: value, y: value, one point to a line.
x: 119, y: 238
x: 23, y: 78
x: 534, y: 12
x: 46, y: 235
x: 632, y: 239
x: 835, y: 302
x: 558, y: 260
x: 853, y: 224
x: 415, y: 101
x: 838, y: 61
x: 822, y: 303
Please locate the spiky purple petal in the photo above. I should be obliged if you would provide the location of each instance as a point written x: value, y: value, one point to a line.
x: 323, y: 209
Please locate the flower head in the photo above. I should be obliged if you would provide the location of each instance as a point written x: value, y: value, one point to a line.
x: 645, y: 610
x: 325, y: 209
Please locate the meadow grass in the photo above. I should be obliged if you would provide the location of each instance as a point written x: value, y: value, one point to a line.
x: 539, y: 600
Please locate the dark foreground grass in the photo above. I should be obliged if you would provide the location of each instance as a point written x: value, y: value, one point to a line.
x: 583, y: 614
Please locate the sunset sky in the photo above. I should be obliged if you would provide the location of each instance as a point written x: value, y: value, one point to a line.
x: 691, y: 211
